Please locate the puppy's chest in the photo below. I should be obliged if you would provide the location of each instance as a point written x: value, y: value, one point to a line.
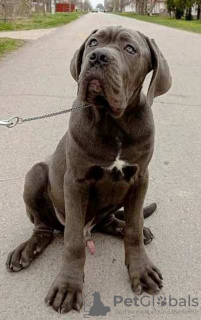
x: 120, y: 170
x: 125, y: 150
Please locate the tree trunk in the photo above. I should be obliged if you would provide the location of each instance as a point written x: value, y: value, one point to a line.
x: 44, y: 7
x: 189, y: 14
x: 198, y: 12
x: 5, y: 15
x: 120, y: 5
x: 29, y: 6
x: 145, y: 7
x: 152, y: 4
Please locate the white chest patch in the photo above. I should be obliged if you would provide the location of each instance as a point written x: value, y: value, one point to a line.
x: 120, y: 169
x: 118, y: 163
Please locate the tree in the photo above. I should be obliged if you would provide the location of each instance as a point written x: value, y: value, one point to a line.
x: 170, y: 5
x: 100, y: 7
x: 28, y: 4
x: 79, y: 4
x: 183, y: 7
x: 189, y: 4
x: 151, y: 6
x: 87, y: 5
x: 179, y: 7
x: 198, y: 3
x: 3, y: 4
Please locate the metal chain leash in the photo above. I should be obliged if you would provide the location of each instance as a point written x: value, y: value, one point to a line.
x: 12, y: 122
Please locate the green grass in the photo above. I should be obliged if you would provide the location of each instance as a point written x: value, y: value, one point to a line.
x: 40, y: 21
x: 193, y: 26
x: 8, y: 45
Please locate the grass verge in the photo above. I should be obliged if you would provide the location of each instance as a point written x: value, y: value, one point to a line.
x: 193, y: 26
x: 40, y: 21
x: 8, y: 45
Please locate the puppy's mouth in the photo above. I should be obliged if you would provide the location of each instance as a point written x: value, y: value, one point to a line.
x: 96, y: 95
x: 95, y: 87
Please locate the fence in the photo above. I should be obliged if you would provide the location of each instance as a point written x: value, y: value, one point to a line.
x: 65, y: 7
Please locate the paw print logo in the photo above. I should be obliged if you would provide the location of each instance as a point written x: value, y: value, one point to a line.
x: 162, y: 301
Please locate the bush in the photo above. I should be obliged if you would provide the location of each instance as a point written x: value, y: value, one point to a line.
x: 179, y: 13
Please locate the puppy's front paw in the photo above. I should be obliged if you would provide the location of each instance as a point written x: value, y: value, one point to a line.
x: 144, y: 275
x: 65, y: 294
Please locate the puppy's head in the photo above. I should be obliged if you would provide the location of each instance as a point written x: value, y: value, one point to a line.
x: 111, y: 65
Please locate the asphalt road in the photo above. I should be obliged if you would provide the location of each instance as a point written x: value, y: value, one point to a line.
x: 36, y: 80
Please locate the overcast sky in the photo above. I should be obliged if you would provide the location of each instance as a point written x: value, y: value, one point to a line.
x: 95, y: 2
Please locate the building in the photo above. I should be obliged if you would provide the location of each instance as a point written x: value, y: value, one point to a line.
x: 46, y: 6
x: 157, y: 7
x: 153, y: 6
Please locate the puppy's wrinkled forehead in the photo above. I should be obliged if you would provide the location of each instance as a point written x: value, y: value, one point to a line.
x: 118, y: 34
x: 108, y: 34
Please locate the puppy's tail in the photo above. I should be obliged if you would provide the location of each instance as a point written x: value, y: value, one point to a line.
x: 149, y: 210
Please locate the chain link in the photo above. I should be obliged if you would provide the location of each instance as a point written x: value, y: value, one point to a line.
x: 12, y: 122
x: 55, y: 113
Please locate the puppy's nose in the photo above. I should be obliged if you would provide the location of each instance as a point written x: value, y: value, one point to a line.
x: 99, y: 57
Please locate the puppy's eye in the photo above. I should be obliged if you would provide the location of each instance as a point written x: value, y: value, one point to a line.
x: 130, y: 49
x: 93, y: 42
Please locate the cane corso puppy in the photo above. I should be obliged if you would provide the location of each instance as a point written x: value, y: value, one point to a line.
x: 100, y: 165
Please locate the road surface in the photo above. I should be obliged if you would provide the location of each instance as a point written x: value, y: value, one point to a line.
x: 36, y: 80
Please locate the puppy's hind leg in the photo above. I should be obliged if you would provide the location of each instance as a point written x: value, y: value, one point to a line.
x: 41, y: 213
x: 114, y: 223
x: 147, y: 211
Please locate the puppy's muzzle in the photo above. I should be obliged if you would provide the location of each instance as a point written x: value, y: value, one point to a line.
x: 99, y: 57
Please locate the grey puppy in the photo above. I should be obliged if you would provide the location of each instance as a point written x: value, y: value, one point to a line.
x: 100, y: 165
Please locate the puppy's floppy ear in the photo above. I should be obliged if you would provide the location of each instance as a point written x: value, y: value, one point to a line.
x: 76, y: 62
x: 161, y: 80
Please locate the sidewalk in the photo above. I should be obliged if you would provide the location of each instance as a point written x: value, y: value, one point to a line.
x: 27, y: 34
